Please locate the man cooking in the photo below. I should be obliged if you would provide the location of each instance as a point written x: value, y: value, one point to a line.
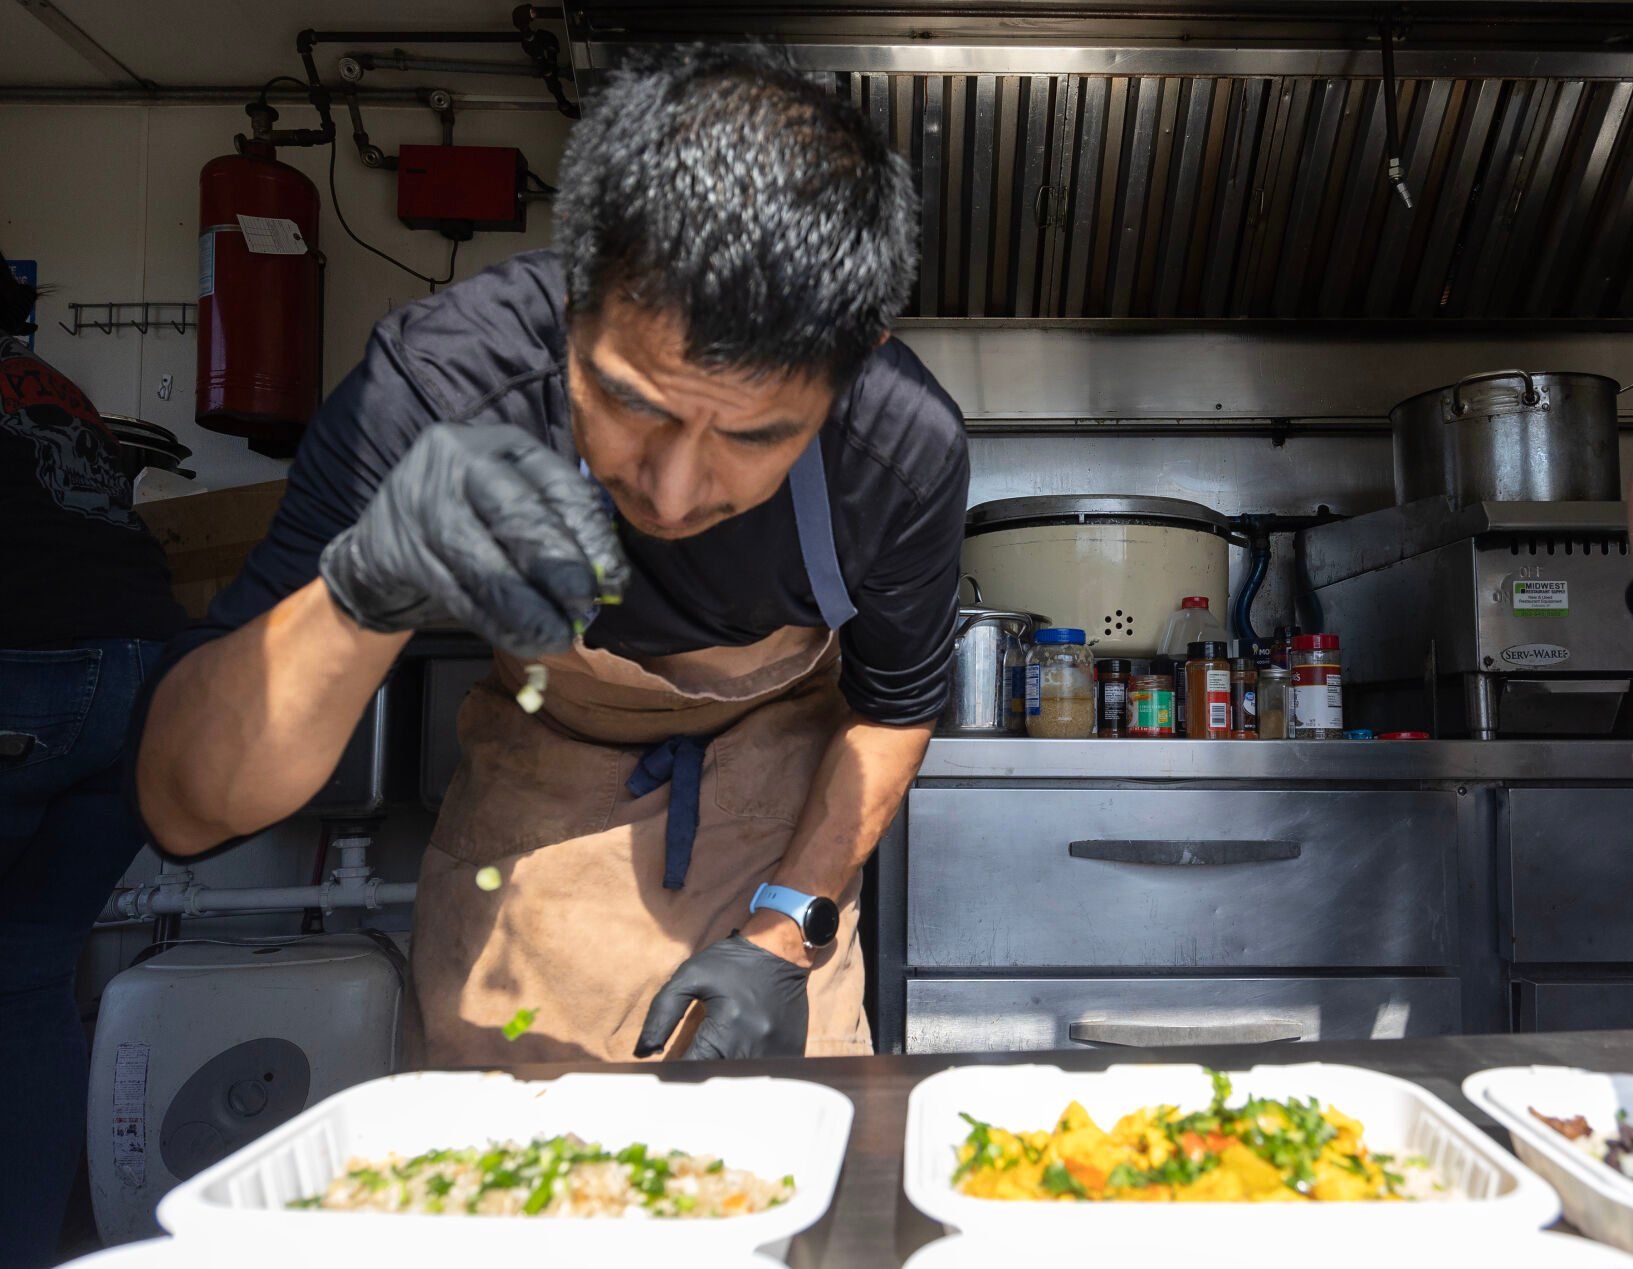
x: 678, y: 462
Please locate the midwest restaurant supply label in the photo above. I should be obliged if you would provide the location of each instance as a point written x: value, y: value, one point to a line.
x: 1542, y: 599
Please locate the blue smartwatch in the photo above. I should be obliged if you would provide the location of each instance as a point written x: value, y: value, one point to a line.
x: 816, y: 916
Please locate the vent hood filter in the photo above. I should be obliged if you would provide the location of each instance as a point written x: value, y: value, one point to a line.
x: 1181, y: 161
x: 1201, y: 197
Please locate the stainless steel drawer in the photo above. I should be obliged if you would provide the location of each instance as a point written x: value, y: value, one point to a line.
x: 1170, y: 878
x: 1574, y: 1006
x: 1572, y: 860
x: 991, y: 1015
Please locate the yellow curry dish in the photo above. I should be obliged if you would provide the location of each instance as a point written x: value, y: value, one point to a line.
x: 1261, y: 1151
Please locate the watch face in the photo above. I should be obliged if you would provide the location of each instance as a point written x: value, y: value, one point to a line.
x: 821, y: 922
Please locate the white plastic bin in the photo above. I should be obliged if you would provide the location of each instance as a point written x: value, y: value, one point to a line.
x: 1598, y: 1200
x: 773, y: 1127
x: 1488, y: 1189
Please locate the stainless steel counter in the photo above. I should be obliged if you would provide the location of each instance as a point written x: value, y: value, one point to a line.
x: 1034, y: 892
x: 1277, y: 761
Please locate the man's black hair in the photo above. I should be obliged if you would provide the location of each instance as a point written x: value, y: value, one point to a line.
x: 719, y: 186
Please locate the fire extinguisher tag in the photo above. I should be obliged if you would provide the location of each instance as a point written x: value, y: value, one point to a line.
x: 272, y: 236
x: 206, y: 263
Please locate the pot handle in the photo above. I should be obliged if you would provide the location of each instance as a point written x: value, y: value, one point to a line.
x: 1531, y: 397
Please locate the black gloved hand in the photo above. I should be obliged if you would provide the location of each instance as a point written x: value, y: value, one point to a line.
x: 754, y: 1004
x: 483, y: 525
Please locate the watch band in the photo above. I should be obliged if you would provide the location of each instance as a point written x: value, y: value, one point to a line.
x: 816, y: 915
x: 784, y: 899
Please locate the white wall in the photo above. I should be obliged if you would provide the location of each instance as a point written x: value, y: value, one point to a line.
x: 110, y: 211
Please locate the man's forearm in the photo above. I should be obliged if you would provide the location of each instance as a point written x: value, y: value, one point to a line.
x: 862, y: 779
x: 244, y: 730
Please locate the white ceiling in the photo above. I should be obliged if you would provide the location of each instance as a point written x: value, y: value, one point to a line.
x: 192, y: 43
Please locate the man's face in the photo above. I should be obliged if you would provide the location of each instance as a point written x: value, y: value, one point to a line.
x: 678, y: 447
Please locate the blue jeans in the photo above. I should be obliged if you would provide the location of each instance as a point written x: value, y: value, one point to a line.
x: 66, y: 836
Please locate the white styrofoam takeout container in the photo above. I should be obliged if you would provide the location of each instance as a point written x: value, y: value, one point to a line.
x: 1516, y: 1251
x: 1489, y: 1189
x: 1598, y: 1199
x: 772, y: 1127
x: 171, y: 1253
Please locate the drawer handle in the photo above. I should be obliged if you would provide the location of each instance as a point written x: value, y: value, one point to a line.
x: 1185, y: 854
x: 1156, y: 1035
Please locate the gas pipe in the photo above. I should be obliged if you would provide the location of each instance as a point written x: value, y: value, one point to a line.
x: 259, y: 310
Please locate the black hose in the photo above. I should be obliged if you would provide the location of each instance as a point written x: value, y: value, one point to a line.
x: 1242, y: 612
x: 334, y: 201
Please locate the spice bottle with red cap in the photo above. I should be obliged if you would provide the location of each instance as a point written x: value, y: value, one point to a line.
x: 1315, y: 697
x: 1207, y: 695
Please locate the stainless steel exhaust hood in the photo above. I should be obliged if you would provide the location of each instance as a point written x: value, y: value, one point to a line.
x: 1201, y: 161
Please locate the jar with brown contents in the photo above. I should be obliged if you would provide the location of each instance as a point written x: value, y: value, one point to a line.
x: 1207, y: 691
x: 1060, y: 685
x: 1244, y: 683
x: 1112, y: 678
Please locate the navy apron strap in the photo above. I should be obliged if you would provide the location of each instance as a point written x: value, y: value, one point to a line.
x: 677, y: 762
x: 808, y: 482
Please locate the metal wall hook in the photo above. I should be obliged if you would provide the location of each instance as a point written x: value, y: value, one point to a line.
x: 138, y: 315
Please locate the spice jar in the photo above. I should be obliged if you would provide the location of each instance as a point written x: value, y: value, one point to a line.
x: 1244, y: 680
x: 1207, y: 691
x: 1060, y: 685
x: 1272, y: 703
x: 1174, y: 668
x: 1015, y: 686
x: 1315, y: 700
x: 1111, y: 678
x: 1150, y: 705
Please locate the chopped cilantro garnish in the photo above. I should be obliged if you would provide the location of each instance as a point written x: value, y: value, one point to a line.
x: 1059, y: 1181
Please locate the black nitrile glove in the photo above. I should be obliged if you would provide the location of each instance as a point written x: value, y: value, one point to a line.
x: 486, y: 526
x: 754, y: 1003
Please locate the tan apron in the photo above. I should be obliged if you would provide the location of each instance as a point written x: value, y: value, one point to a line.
x: 581, y: 928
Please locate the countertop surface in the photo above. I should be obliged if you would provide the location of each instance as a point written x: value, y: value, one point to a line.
x: 872, y: 1226
x: 1276, y: 761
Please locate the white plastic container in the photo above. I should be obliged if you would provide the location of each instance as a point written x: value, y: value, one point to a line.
x: 172, y: 1253
x: 1192, y: 622
x: 1517, y: 1251
x: 1598, y: 1200
x: 1489, y: 1190
x: 772, y: 1127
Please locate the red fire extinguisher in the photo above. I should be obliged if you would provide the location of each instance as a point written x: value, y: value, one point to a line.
x: 260, y: 323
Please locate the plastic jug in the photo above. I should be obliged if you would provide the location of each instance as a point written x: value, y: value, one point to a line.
x: 1190, y: 623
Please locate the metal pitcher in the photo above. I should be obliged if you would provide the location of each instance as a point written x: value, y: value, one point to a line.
x: 1509, y: 436
x: 988, y: 650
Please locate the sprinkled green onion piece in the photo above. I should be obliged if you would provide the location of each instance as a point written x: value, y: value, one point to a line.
x: 487, y: 879
x: 531, y: 695
x: 520, y: 1023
